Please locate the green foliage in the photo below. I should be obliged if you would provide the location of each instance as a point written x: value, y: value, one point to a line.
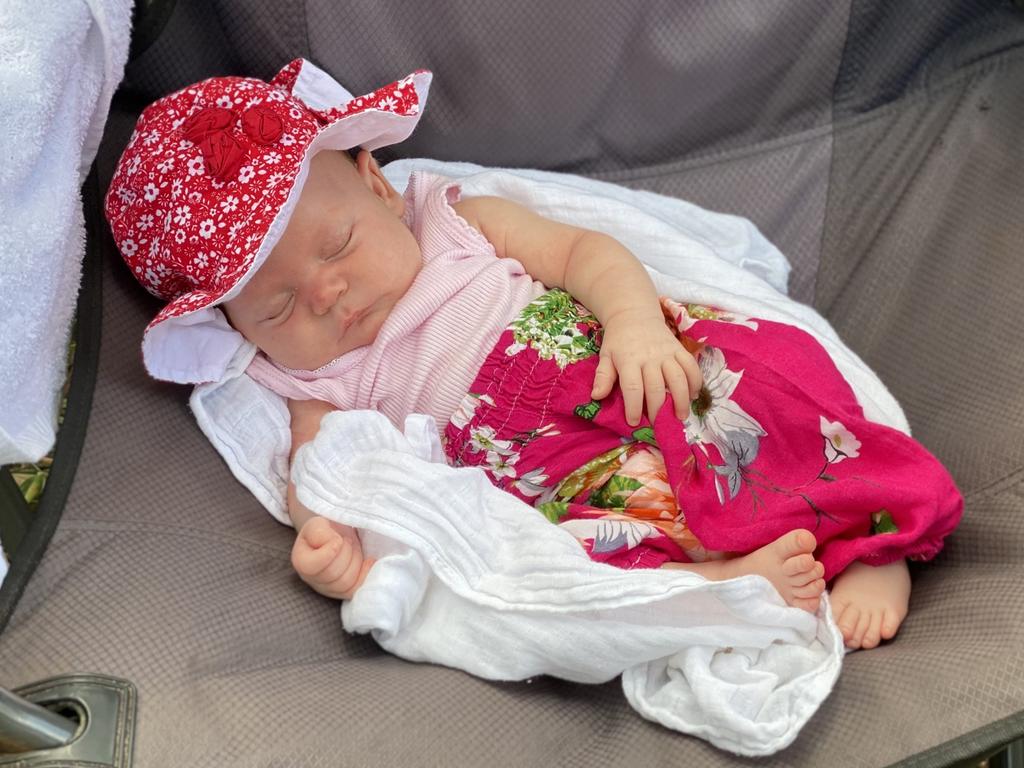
x: 31, y: 478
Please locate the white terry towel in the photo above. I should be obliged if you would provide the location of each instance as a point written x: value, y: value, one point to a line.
x: 60, y: 63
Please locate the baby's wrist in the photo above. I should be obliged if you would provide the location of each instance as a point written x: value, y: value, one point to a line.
x: 330, y: 589
x: 635, y: 315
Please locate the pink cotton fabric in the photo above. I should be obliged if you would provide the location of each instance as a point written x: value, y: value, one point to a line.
x: 430, y: 348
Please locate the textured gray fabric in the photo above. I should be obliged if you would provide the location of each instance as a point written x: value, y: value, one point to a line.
x: 901, y: 209
x: 781, y: 186
x: 739, y: 97
x: 925, y: 233
x: 628, y: 93
x: 593, y: 87
x: 895, y: 48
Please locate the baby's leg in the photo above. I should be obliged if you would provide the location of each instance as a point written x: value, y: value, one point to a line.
x: 788, y: 563
x: 870, y: 602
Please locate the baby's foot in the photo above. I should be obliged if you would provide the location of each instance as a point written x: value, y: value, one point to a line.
x: 788, y: 563
x: 870, y: 602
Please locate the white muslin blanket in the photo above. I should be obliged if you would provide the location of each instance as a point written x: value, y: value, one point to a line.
x: 59, y: 65
x: 471, y: 577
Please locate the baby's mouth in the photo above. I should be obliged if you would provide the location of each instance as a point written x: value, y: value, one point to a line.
x: 352, y: 319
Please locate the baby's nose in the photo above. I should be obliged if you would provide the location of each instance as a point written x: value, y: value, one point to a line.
x: 326, y: 292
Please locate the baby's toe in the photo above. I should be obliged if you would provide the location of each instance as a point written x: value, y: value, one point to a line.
x: 815, y: 574
x: 889, y: 625
x: 873, y: 635
x: 814, y: 589
x: 793, y: 544
x: 863, y: 622
x: 809, y: 604
x: 798, y: 566
x: 847, y: 622
x: 839, y: 607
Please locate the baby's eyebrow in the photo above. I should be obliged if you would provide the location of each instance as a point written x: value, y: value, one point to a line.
x: 333, y: 238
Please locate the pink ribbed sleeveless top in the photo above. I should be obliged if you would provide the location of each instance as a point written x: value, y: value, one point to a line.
x: 430, y: 347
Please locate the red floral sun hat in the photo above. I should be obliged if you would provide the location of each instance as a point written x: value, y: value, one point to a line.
x: 206, y: 185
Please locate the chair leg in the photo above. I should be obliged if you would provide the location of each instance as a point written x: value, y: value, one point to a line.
x: 1012, y: 756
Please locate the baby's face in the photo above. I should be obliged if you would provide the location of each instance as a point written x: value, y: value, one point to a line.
x: 343, y: 262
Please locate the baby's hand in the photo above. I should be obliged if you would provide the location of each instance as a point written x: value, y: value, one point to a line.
x: 329, y: 558
x: 648, y: 360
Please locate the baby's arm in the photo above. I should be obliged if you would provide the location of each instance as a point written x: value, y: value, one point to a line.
x: 638, y: 348
x: 327, y: 555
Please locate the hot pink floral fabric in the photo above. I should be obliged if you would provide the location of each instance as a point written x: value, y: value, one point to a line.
x: 775, y: 441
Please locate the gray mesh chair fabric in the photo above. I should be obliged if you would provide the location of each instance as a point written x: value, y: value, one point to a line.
x: 877, y: 143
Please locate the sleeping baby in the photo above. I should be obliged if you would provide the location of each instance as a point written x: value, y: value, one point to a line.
x: 659, y: 432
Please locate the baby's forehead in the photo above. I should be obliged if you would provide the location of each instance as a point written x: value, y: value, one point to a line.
x: 327, y: 194
x: 316, y: 228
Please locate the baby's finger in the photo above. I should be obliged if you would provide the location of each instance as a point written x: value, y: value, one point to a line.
x: 654, y: 389
x: 316, y: 532
x: 632, y: 385
x: 348, y: 578
x: 693, y: 375
x: 309, y: 562
x: 604, y: 379
x: 336, y: 565
x: 675, y: 378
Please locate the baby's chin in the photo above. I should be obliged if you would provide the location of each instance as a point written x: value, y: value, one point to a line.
x: 362, y: 333
x: 316, y: 363
x: 292, y: 362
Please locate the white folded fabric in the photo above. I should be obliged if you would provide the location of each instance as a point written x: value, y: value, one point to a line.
x: 59, y: 65
x: 470, y: 577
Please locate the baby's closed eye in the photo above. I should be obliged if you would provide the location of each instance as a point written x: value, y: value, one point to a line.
x: 280, y: 309
x: 337, y: 247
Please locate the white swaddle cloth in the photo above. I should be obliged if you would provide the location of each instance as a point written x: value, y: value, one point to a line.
x: 471, y: 577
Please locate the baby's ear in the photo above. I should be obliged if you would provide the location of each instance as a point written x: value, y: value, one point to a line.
x: 373, y: 177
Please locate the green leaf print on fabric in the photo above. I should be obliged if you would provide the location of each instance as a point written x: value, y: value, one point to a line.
x: 592, y: 474
x: 549, y: 325
x: 687, y: 315
x: 645, y: 435
x: 588, y: 410
x: 882, y: 522
x: 554, y: 510
x: 614, y: 493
